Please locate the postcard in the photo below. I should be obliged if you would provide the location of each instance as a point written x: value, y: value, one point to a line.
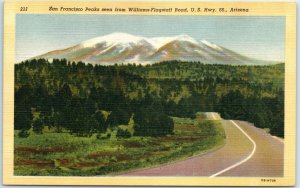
x: 149, y: 93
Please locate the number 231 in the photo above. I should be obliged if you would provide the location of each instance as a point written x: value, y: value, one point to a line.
x: 23, y: 8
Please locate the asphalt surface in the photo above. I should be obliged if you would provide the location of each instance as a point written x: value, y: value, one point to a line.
x: 248, y: 152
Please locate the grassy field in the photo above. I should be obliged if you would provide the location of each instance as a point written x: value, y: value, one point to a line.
x: 62, y: 154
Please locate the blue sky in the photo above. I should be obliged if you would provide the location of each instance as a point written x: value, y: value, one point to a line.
x: 256, y: 37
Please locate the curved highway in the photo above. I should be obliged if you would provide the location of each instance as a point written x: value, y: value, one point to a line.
x: 248, y: 152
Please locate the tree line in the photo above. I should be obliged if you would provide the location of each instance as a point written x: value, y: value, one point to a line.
x: 76, y: 96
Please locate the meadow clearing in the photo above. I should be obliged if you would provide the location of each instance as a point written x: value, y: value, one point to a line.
x: 63, y: 154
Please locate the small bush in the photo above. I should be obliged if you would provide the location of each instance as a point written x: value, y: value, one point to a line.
x: 151, y: 122
x: 103, y: 136
x: 118, y: 117
x: 23, y: 134
x: 38, y: 126
x: 123, y: 133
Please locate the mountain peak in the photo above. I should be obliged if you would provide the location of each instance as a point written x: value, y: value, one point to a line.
x: 111, y: 39
x: 125, y: 48
x: 125, y: 38
x: 185, y: 37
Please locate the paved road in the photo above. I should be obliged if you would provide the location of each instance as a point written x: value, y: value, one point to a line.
x: 248, y: 151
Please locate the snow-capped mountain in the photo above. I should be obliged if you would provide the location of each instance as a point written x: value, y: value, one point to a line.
x: 126, y: 48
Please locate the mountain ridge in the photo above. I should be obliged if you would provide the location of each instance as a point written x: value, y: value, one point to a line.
x: 123, y: 48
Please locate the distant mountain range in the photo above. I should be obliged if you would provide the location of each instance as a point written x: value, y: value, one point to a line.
x: 125, y: 48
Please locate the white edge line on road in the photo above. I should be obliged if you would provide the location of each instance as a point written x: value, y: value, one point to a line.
x: 242, y: 161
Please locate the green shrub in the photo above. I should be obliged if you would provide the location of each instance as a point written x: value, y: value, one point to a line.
x: 23, y: 134
x: 152, y: 122
x: 38, y: 126
x: 123, y: 133
x: 118, y: 117
x: 103, y: 136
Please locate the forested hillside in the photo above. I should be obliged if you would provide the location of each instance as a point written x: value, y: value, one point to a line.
x: 87, y: 99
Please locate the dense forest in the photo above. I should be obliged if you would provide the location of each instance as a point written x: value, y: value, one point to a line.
x: 85, y: 99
